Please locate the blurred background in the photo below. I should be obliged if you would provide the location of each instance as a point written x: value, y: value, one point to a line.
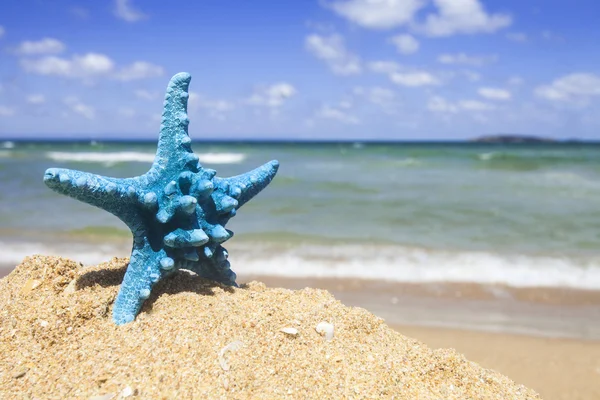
x: 439, y: 158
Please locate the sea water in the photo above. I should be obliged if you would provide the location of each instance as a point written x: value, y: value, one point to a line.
x: 520, y: 215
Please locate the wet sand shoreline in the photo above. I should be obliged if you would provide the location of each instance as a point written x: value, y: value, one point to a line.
x: 538, y: 312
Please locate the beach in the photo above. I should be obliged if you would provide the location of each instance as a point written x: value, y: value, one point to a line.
x: 556, y: 364
x: 491, y: 250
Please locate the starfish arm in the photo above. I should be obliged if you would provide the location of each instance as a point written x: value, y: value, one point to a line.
x: 110, y: 194
x: 146, y: 267
x: 174, y: 142
x: 244, y: 187
x: 215, y: 268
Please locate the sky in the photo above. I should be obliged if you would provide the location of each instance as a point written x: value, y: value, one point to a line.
x: 302, y: 69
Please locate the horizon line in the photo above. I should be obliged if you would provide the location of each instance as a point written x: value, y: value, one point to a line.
x: 475, y: 140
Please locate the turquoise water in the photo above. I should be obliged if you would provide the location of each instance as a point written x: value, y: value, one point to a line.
x: 514, y: 214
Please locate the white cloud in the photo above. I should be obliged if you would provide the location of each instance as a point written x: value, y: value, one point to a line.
x: 462, y: 16
x: 331, y: 49
x: 462, y: 58
x: 576, y: 86
x: 139, y: 70
x: 382, y: 97
x: 405, y: 44
x: 124, y: 10
x: 273, y: 96
x: 517, y: 37
x: 80, y: 108
x: 43, y: 46
x: 440, y: 105
x: 146, y: 95
x: 215, y: 108
x: 329, y: 112
x: 494, y: 93
x: 414, y: 78
x: 2, y: 31
x: 378, y: 14
x: 36, y: 99
x: 7, y: 111
x: 384, y: 67
x: 88, y: 65
x: 404, y: 76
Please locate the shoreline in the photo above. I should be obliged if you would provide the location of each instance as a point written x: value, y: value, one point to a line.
x: 534, y: 312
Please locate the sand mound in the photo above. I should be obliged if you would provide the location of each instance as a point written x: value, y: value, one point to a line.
x: 196, y: 339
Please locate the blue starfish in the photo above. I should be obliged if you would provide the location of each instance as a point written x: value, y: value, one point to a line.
x: 177, y: 211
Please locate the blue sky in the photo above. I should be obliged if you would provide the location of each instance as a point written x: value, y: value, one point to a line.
x: 310, y: 69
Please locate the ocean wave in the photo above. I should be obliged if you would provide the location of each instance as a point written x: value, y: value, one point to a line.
x: 486, y: 156
x: 417, y: 265
x: 221, y: 158
x: 88, y: 254
x: 532, y: 160
x: 7, y: 145
x: 370, y: 262
x: 571, y: 179
x: 408, y: 162
x: 97, y: 157
x: 133, y: 156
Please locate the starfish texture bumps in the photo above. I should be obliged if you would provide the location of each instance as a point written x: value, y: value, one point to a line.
x: 177, y: 211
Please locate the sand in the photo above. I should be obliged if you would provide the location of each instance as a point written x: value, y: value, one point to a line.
x: 558, y: 355
x: 197, y: 339
x: 558, y: 369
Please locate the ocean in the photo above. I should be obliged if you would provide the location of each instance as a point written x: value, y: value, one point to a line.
x: 514, y: 215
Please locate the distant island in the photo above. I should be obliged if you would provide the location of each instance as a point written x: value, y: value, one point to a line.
x: 512, y: 139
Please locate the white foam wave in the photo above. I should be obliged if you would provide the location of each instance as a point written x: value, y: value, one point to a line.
x: 221, y: 158
x: 8, y: 145
x: 486, y: 156
x: 390, y: 263
x: 407, y: 162
x: 570, y: 179
x: 111, y: 158
x: 106, y: 158
x: 12, y: 253
x: 415, y: 265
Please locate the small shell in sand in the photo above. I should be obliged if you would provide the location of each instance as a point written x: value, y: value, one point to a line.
x: 326, y: 329
x: 230, y: 347
x: 290, y: 331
